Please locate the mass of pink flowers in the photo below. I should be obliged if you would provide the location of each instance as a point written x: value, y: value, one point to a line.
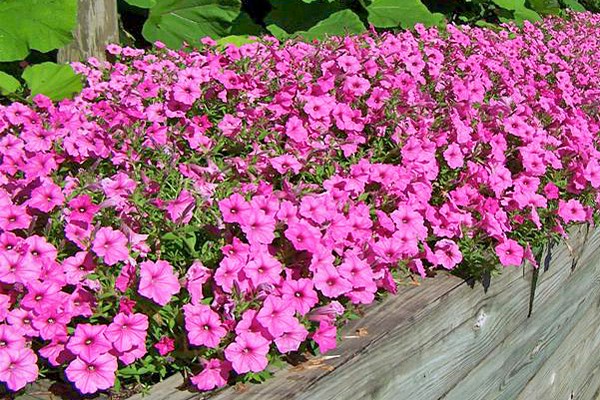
x: 211, y: 210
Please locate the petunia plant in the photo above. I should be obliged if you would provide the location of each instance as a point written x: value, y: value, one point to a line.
x: 213, y: 210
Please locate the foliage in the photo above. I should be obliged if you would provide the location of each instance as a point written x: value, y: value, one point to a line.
x: 391, y: 14
x: 316, y: 19
x: 53, y: 80
x: 213, y: 210
x: 41, y: 25
x: 176, y: 21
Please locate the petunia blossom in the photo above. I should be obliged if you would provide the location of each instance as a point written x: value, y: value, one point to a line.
x: 91, y: 375
x: 127, y: 331
x: 111, y: 245
x: 158, y: 281
x: 248, y: 353
x: 18, y: 367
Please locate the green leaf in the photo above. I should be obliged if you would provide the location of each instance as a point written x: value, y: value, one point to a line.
x: 521, y: 13
x: 176, y: 21
x: 236, y: 40
x: 170, y: 236
x: 53, y: 80
x: 8, y: 84
x: 405, y: 13
x: 545, y: 6
x: 142, y: 3
x: 291, y: 16
x: 41, y: 25
x: 574, y: 5
x: 339, y: 23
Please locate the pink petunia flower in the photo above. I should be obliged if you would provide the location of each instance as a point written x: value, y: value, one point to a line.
x: 52, y: 322
x: 454, y: 156
x: 510, y: 253
x: 127, y: 331
x: 18, y: 367
x: 203, y: 325
x: 303, y: 235
x: 228, y: 273
x: 258, y: 227
x: 16, y: 267
x: 91, y: 375
x: 78, y: 266
x: 571, y: 210
x: 111, y: 245
x: 196, y: 277
x: 328, y: 280
x: 234, y: 208
x: 165, y: 345
x: 325, y: 336
x: 181, y: 209
x: 88, y: 341
x: 291, y: 339
x: 158, y: 281
x: 11, y: 338
x: 40, y: 295
x: 300, y: 294
x: 46, y: 197
x: 447, y: 253
x: 263, y: 268
x: 248, y: 353
x: 82, y: 208
x: 213, y: 375
x: 276, y: 315
x: 186, y: 92
x: 14, y: 217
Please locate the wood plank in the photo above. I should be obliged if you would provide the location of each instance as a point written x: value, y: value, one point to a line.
x: 172, y: 388
x: 97, y: 26
x: 505, y: 372
x: 563, y: 375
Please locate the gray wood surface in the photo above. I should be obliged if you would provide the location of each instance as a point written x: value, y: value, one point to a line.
x: 97, y: 26
x: 446, y: 340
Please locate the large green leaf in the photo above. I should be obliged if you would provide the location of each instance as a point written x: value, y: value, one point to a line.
x: 545, y: 6
x: 339, y: 23
x: 142, y: 3
x: 53, y: 80
x: 176, y: 21
x: 521, y: 12
x: 236, y: 40
x: 574, y: 5
x: 290, y: 16
x: 8, y: 84
x: 42, y: 25
x: 405, y: 13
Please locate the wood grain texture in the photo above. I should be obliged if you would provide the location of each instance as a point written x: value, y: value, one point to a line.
x: 446, y: 340
x: 97, y: 26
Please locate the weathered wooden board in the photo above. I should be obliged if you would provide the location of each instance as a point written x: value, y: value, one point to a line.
x: 97, y: 26
x: 447, y: 340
